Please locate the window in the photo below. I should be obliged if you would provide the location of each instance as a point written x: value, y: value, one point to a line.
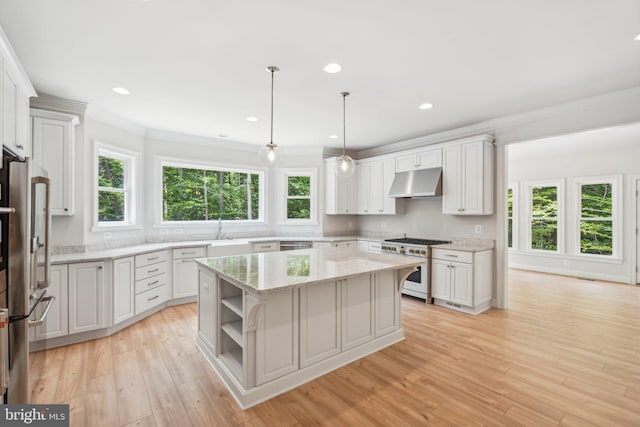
x: 545, y: 217
x: 114, y: 206
x: 197, y: 193
x: 597, y: 222
x: 512, y: 225
x: 299, y: 195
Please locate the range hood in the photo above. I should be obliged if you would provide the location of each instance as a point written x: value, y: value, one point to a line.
x: 417, y: 183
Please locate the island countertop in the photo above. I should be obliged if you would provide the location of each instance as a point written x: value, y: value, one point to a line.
x: 274, y: 271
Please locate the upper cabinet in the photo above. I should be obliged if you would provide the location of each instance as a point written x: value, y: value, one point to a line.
x: 467, y: 187
x: 375, y: 177
x: 15, y: 90
x: 340, y: 192
x: 423, y: 159
x: 53, y: 149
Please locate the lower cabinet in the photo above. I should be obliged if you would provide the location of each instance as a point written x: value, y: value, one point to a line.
x: 387, y: 307
x: 185, y: 271
x: 206, y: 308
x: 357, y: 311
x: 346, y: 244
x: 123, y: 289
x: 57, y: 322
x: 462, y: 280
x: 87, y: 297
x: 319, y: 322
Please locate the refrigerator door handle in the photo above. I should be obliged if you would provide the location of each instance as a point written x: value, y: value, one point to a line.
x: 50, y: 299
x: 7, y: 210
x: 4, y: 350
x: 47, y: 229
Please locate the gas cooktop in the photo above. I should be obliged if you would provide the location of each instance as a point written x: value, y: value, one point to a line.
x: 423, y: 242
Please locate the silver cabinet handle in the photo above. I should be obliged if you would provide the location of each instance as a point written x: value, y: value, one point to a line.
x: 153, y: 283
x: 452, y: 256
x: 153, y: 271
x: 50, y: 299
x: 20, y: 146
x: 189, y: 253
x: 152, y: 258
x: 152, y: 298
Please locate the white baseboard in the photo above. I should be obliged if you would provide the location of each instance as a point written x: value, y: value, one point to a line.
x: 574, y: 273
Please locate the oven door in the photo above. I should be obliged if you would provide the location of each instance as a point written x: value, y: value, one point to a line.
x: 417, y: 283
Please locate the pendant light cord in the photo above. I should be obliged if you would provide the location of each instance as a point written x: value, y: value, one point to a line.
x: 273, y: 70
x: 344, y: 121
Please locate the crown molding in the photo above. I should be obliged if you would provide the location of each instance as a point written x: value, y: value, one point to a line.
x: 53, y: 103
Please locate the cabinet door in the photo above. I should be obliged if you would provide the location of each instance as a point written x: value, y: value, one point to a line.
x: 123, y: 289
x: 461, y: 283
x: 375, y: 188
x: 429, y: 159
x: 319, y: 322
x: 9, y: 108
x: 185, y: 278
x: 357, y: 311
x: 57, y: 322
x: 440, y: 279
x: 387, y: 317
x: 277, y: 336
x: 406, y: 163
x: 206, y: 308
x: 86, y: 297
x: 52, y: 140
x: 472, y: 178
x: 451, y: 181
x: 363, y: 188
x: 352, y: 194
x: 388, y: 174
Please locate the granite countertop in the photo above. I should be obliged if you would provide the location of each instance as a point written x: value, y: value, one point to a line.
x: 150, y: 247
x: 274, y: 271
x: 466, y: 247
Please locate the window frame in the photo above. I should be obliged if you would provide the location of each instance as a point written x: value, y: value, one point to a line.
x: 131, y: 182
x: 616, y: 214
x: 164, y: 161
x: 514, y: 216
x: 283, y: 192
x: 560, y: 214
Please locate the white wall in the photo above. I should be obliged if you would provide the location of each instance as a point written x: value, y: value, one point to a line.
x: 613, y: 151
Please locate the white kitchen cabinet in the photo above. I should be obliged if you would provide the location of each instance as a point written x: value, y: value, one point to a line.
x: 345, y: 244
x: 467, y: 187
x: 53, y: 148
x: 87, y: 297
x: 152, y: 280
x: 15, y: 90
x: 317, y: 245
x: 319, y: 322
x: 423, y: 159
x: 341, y: 193
x: 357, y: 311
x: 123, y: 289
x: 57, y: 322
x: 185, y: 271
x: 266, y: 247
x: 229, y: 249
x: 375, y: 177
x: 462, y: 280
x: 387, y: 310
x: 206, y: 309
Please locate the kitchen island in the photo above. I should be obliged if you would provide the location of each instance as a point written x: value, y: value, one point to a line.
x: 268, y: 322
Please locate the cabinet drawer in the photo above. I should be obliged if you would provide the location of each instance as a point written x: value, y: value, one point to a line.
x: 193, y: 252
x: 150, y: 283
x: 151, y: 270
x: 452, y: 255
x: 266, y: 246
x: 151, y: 298
x: 151, y: 258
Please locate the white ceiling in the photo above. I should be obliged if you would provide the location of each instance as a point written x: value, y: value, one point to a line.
x: 198, y: 66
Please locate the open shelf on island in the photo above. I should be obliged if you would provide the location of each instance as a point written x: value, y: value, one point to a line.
x: 234, y: 304
x: 234, y: 330
x: 233, y: 360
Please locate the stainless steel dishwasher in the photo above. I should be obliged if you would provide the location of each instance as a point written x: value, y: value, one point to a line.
x: 297, y: 244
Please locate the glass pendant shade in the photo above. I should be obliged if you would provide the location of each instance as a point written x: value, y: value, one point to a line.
x: 346, y: 166
x: 270, y: 156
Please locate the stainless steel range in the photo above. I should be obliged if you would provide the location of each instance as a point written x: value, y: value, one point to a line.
x: 418, y: 284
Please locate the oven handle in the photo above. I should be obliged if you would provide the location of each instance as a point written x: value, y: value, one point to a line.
x: 50, y: 299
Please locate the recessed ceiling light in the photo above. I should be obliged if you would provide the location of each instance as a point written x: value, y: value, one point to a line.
x: 334, y: 136
x: 333, y: 68
x: 121, y: 91
x: 425, y: 106
x: 223, y: 135
x: 637, y: 38
x: 252, y: 119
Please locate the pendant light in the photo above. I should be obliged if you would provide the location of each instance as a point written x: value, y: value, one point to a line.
x: 346, y: 165
x: 270, y: 155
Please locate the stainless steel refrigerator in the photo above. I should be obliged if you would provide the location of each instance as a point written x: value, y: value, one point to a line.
x: 24, y: 268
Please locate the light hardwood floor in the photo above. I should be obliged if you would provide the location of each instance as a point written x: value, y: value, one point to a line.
x: 567, y: 352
